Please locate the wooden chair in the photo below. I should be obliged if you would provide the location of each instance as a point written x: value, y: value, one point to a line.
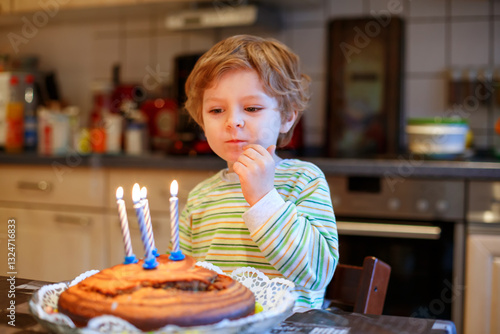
x: 362, y: 289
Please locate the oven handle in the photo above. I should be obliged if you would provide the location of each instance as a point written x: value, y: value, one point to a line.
x: 389, y: 230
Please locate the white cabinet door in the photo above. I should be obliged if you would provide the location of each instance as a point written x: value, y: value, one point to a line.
x: 161, y: 233
x: 55, y: 245
x: 482, y: 292
x: 5, y: 6
x: 52, y: 185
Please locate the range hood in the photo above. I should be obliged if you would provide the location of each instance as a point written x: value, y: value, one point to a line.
x: 224, y: 16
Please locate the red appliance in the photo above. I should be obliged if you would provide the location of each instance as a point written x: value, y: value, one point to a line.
x: 162, y: 121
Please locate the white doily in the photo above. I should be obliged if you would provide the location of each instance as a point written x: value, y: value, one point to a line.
x: 275, y: 295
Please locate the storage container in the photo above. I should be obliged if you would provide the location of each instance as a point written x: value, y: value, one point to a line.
x: 437, y: 136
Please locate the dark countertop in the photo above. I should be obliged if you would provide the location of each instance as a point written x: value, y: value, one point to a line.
x: 402, y: 166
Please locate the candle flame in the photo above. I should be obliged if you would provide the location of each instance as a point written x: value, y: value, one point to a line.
x: 119, y: 193
x: 144, y: 193
x: 174, y: 187
x: 136, y: 193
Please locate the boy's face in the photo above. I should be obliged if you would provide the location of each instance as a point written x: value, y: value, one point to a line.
x: 237, y: 111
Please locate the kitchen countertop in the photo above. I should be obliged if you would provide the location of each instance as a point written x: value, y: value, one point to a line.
x: 402, y: 166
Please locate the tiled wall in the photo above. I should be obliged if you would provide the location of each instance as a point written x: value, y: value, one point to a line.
x: 440, y: 34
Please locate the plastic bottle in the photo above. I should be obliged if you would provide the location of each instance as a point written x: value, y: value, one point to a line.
x: 14, y: 117
x: 30, y: 120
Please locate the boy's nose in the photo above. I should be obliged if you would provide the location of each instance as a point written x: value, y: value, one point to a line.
x: 235, y: 120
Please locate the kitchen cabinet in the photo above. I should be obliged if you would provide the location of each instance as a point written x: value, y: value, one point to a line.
x: 58, y: 210
x: 27, y: 5
x: 5, y: 6
x: 54, y: 245
x: 482, y: 293
x: 98, y: 3
x: 67, y: 219
x: 54, y: 185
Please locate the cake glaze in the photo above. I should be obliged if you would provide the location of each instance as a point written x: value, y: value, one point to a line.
x: 176, y: 292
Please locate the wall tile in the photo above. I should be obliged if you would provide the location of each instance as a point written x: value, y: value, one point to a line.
x: 137, y: 59
x: 315, y: 115
x: 105, y: 28
x: 168, y: 47
x: 425, y: 97
x: 394, y: 7
x: 199, y: 42
x: 309, y: 44
x: 426, y: 8
x: 71, y: 60
x: 425, y: 54
x: 469, y: 8
x: 105, y: 54
x: 315, y: 15
x: 251, y: 30
x: 496, y: 43
x: 345, y: 8
x: 481, y: 139
x: 133, y: 26
x: 469, y: 43
x: 138, y: 43
x: 477, y: 117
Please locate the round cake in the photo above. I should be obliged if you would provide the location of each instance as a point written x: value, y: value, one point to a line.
x: 176, y: 292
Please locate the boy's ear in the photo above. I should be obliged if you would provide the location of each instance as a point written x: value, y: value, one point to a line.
x: 287, y: 124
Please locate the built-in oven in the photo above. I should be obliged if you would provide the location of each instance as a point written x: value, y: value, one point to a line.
x: 417, y: 226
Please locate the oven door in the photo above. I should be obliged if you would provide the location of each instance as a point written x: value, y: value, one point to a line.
x: 423, y: 257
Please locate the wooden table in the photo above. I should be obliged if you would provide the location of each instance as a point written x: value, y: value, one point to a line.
x: 320, y: 321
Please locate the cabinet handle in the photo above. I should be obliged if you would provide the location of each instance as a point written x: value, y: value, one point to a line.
x: 73, y: 220
x: 40, y: 185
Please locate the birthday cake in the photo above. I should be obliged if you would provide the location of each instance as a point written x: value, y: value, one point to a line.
x: 175, y: 292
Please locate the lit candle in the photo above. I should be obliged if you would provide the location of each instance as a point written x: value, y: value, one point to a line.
x: 147, y: 219
x: 122, y: 213
x: 150, y: 260
x: 176, y: 254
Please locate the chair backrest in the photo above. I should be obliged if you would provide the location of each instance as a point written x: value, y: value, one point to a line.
x: 362, y: 288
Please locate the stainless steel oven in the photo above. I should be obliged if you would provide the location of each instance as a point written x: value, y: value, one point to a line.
x: 415, y: 225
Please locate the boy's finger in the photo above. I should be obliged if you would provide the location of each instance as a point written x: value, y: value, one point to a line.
x: 255, y: 147
x: 271, y: 149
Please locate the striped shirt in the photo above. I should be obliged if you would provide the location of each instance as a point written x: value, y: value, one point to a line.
x: 291, y: 232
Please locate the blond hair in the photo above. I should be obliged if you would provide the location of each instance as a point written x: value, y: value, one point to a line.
x: 276, y: 65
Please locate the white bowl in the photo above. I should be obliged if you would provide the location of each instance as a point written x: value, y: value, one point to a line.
x: 431, y: 137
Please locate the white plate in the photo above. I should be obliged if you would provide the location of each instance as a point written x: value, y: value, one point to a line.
x: 276, y: 297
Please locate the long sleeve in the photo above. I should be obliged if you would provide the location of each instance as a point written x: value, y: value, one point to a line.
x: 185, y: 232
x: 290, y: 233
x: 298, y: 236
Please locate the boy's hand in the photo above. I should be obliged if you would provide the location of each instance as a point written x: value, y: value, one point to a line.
x: 255, y: 168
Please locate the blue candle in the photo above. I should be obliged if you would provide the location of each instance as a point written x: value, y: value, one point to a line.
x: 147, y: 219
x: 122, y: 213
x: 150, y: 260
x: 176, y: 254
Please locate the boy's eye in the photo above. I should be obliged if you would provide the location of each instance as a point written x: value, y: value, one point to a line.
x: 252, y: 109
x: 215, y: 110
